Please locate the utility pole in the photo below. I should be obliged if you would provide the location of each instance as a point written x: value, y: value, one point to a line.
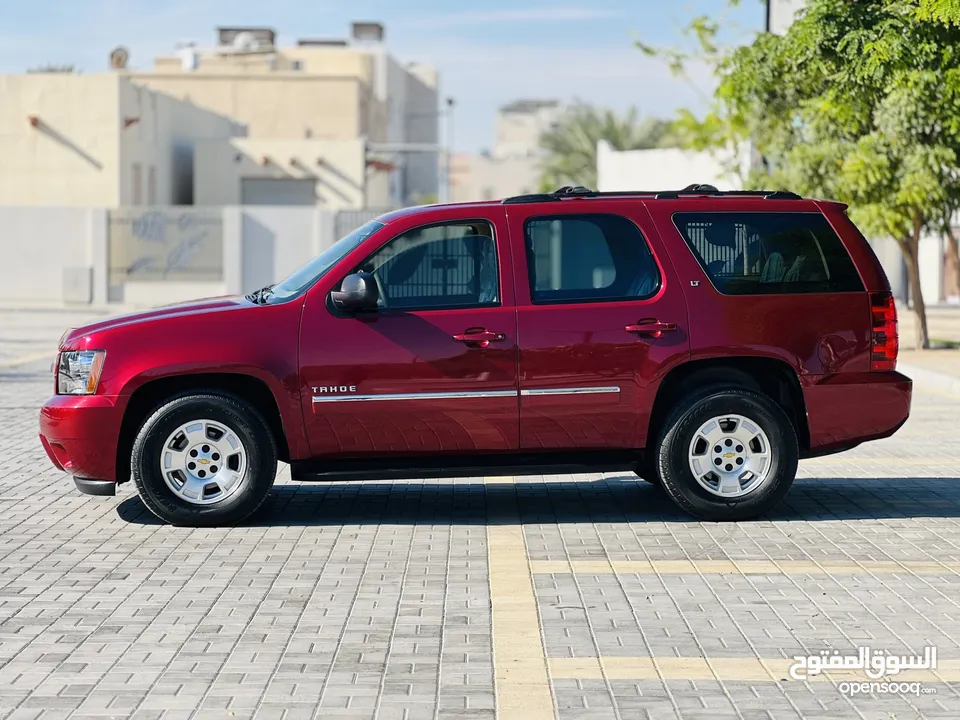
x: 448, y: 182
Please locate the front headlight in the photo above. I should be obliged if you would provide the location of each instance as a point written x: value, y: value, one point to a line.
x: 78, y: 371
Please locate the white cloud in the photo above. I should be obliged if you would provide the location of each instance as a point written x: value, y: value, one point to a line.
x: 487, y: 17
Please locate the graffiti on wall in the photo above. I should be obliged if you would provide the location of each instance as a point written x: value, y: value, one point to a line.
x: 166, y: 243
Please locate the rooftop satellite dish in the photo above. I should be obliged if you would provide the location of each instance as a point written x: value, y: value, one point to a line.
x: 245, y: 41
x: 119, y: 58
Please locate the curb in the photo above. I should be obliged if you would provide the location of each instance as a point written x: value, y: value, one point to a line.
x: 922, y: 376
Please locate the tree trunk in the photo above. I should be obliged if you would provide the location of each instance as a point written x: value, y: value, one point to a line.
x: 911, y: 255
x: 953, y: 259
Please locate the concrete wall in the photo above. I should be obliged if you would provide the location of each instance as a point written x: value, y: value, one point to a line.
x: 72, y: 156
x: 63, y: 255
x: 53, y: 255
x: 338, y: 167
x: 277, y: 241
x: 331, y: 108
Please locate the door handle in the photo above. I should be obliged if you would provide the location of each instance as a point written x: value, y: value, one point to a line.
x: 482, y: 338
x: 652, y: 328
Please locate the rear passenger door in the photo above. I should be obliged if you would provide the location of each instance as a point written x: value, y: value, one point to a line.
x: 601, y: 318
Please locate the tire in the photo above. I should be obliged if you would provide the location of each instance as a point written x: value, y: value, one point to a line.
x: 677, y: 454
x: 245, y: 474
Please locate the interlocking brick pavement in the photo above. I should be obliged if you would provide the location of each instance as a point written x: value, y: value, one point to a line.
x: 372, y: 599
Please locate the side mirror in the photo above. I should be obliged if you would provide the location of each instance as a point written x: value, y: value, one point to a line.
x: 358, y: 292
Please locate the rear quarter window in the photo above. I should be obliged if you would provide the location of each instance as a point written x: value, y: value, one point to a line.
x: 769, y: 253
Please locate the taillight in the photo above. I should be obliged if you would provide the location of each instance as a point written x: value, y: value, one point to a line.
x: 885, y: 340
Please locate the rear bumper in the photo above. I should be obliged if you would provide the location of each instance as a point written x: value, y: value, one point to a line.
x: 850, y: 408
x: 79, y: 435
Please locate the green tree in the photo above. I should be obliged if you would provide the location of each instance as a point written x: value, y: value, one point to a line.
x: 571, y: 145
x: 860, y: 102
x: 720, y: 131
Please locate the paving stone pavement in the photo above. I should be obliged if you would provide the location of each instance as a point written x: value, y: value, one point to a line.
x: 373, y: 599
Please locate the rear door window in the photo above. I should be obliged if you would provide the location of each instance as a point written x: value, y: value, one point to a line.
x: 769, y: 253
x: 588, y: 258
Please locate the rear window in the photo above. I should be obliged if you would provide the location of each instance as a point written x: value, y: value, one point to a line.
x: 769, y: 253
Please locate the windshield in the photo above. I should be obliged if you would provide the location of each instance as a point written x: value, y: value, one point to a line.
x: 318, y: 267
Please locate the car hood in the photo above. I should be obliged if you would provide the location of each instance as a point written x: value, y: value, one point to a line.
x: 194, y: 307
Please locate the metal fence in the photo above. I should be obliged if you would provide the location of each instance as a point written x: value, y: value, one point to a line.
x: 169, y: 243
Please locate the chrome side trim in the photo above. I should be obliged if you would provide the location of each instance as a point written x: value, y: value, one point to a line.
x: 465, y: 395
x: 572, y: 391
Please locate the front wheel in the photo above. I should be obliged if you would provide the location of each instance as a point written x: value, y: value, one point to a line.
x: 204, y: 459
x: 727, y: 453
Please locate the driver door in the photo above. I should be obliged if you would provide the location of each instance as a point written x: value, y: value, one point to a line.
x: 434, y: 369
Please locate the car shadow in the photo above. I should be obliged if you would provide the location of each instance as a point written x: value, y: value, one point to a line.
x: 616, y: 499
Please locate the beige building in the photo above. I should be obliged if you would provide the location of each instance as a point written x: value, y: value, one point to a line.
x: 329, y: 123
x: 512, y: 166
x: 98, y: 140
x: 342, y: 115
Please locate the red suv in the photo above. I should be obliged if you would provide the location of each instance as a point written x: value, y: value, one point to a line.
x: 706, y: 340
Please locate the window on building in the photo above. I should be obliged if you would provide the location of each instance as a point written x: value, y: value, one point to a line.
x: 137, y: 185
x: 152, y: 185
x: 438, y: 266
x: 584, y: 258
x: 769, y: 253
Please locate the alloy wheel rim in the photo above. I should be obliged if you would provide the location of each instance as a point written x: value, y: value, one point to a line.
x: 730, y: 456
x: 203, y: 462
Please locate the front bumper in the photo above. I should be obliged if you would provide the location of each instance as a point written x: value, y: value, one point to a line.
x: 846, y: 409
x: 79, y: 434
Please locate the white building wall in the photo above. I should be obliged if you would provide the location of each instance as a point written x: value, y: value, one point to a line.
x: 422, y: 125
x: 276, y: 241
x: 53, y: 255
x: 782, y: 14
x: 664, y: 169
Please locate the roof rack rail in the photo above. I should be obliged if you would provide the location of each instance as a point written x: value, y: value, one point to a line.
x: 578, y: 191
x: 711, y: 190
x: 565, y: 191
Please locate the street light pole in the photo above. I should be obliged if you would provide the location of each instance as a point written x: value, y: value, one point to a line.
x: 447, y: 174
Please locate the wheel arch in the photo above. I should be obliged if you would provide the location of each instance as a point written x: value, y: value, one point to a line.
x: 145, y: 399
x: 770, y: 376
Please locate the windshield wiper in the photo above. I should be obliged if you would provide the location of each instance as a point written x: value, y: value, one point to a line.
x: 260, y: 296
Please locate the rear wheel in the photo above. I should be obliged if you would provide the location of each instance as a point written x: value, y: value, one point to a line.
x: 204, y: 459
x: 727, y: 453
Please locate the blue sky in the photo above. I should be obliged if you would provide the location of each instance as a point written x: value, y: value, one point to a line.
x: 487, y: 53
